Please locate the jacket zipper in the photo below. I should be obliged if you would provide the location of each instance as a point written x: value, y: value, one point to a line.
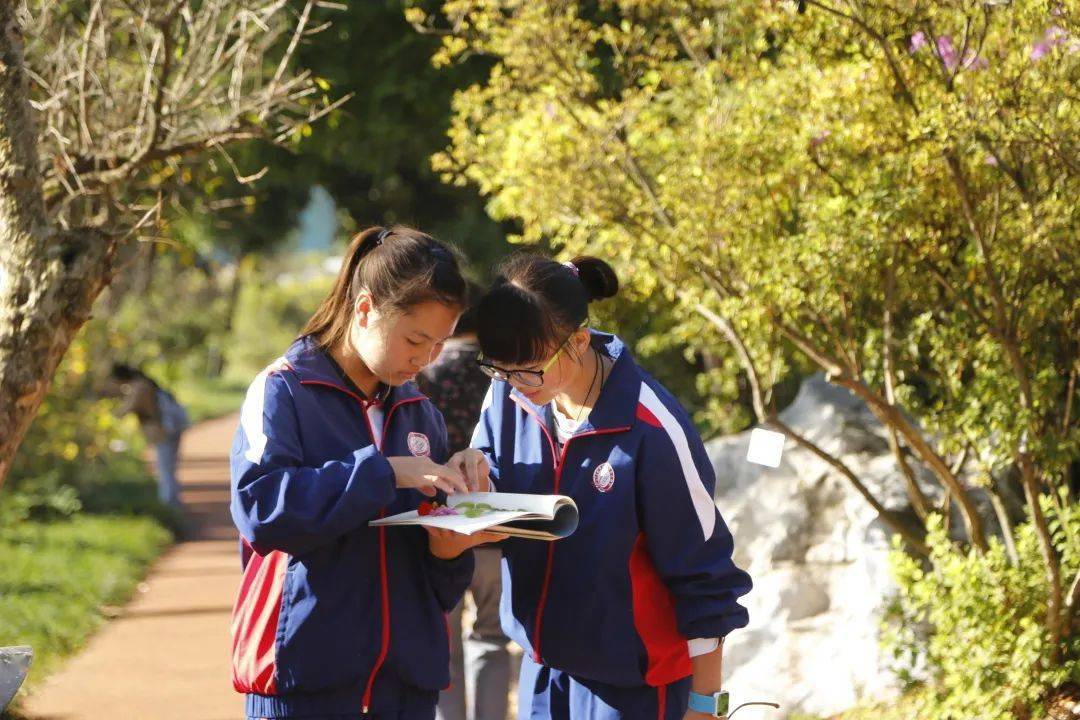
x: 384, y: 650
x: 559, y: 460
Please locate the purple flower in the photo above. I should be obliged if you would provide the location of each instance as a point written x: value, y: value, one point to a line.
x: 1053, y: 37
x: 947, y: 52
x: 918, y: 42
x: 991, y: 161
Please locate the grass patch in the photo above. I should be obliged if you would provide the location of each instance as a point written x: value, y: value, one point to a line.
x: 56, y: 578
x: 208, y: 398
x: 129, y: 496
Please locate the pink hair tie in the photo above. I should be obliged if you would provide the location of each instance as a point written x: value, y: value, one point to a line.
x: 573, y: 268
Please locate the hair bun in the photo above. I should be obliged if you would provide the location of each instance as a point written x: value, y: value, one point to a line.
x: 597, y: 276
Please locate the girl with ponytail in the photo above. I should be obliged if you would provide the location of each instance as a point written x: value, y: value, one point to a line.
x: 626, y: 617
x: 335, y: 619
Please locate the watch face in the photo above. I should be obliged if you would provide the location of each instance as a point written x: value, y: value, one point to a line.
x: 722, y: 703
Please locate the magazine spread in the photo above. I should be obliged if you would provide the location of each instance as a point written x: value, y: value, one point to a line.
x: 535, y: 517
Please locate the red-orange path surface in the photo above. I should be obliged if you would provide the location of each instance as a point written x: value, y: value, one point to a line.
x: 167, y: 654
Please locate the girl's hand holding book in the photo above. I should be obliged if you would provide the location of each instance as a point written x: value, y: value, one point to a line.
x: 447, y: 544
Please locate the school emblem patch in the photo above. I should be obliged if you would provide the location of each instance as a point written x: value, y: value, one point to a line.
x: 419, y: 444
x: 603, y: 477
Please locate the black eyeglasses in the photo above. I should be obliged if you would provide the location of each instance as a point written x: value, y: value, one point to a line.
x: 528, y: 378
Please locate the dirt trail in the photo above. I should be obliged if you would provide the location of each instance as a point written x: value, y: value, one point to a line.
x: 166, y: 656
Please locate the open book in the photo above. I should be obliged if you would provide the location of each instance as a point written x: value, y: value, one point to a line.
x: 535, y: 517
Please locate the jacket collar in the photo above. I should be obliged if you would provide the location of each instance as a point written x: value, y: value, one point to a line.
x: 314, y: 367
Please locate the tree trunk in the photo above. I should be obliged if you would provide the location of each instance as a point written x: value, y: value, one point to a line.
x: 48, y: 279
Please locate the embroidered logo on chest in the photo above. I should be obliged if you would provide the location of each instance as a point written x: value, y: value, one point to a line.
x: 419, y: 444
x: 603, y: 477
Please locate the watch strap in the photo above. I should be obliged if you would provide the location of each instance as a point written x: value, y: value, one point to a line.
x: 715, y: 704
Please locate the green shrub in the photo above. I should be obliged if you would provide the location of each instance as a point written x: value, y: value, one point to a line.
x: 270, y: 312
x: 967, y: 633
x: 74, y: 439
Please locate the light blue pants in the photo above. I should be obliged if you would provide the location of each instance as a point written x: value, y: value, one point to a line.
x: 168, y: 454
x: 479, y: 663
x: 548, y: 694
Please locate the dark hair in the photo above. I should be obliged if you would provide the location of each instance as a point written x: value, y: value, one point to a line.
x: 124, y: 373
x: 466, y: 324
x: 400, y: 267
x: 536, y: 302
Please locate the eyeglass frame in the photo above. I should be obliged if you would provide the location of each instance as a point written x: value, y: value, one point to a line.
x: 490, y: 368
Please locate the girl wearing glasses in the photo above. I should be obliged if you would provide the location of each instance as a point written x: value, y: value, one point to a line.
x: 335, y: 619
x: 626, y: 617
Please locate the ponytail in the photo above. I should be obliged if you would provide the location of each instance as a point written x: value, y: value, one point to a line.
x: 400, y: 268
x: 597, y: 276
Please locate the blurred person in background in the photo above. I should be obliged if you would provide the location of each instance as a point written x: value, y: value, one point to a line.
x: 162, y: 418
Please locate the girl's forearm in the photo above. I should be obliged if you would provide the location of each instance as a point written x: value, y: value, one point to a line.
x: 708, y: 671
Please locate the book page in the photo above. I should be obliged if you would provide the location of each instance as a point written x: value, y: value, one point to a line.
x: 540, y: 505
x: 545, y: 517
x: 464, y: 524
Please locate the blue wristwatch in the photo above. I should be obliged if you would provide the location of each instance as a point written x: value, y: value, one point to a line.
x: 715, y: 704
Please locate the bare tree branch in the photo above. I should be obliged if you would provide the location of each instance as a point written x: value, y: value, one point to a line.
x: 915, y: 494
x: 124, y: 92
x: 765, y: 417
x: 139, y: 81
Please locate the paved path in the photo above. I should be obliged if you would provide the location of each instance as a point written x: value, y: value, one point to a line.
x: 166, y: 656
